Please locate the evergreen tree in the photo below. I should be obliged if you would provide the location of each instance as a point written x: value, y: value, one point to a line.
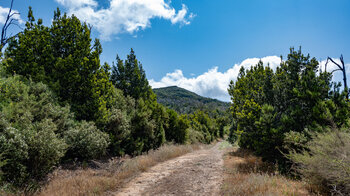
x: 148, y: 124
x: 177, y: 130
x: 271, y: 109
x: 62, y: 57
x: 130, y: 77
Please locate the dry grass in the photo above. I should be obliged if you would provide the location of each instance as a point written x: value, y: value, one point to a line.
x: 246, y: 174
x: 109, y: 177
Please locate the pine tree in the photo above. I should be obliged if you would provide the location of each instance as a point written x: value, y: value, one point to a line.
x: 130, y: 77
x: 62, y: 57
x: 273, y: 108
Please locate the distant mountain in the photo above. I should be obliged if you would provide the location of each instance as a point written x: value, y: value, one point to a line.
x: 185, y: 102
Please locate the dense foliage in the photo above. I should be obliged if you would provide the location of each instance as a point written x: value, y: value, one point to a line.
x: 59, y: 104
x: 62, y: 57
x: 177, y: 130
x: 147, y: 122
x: 271, y: 108
x: 33, y: 130
x: 326, y: 162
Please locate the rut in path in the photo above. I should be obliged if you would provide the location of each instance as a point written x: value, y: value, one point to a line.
x: 196, y: 173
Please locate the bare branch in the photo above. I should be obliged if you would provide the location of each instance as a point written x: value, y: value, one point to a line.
x: 14, y: 13
x: 342, y: 60
x: 8, y: 22
x: 17, y: 25
x: 325, y: 69
x: 343, y: 69
x: 334, y: 62
x: 336, y: 70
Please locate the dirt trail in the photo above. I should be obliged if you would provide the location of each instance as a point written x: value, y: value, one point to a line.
x: 197, y: 173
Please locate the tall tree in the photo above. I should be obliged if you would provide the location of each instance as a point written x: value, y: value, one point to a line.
x: 130, y: 77
x: 62, y: 57
x: 149, y: 122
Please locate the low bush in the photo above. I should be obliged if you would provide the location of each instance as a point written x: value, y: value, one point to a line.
x: 15, y: 151
x: 45, y: 149
x: 35, y: 131
x: 195, y: 136
x: 326, y: 161
x: 201, y: 122
x: 30, y: 153
x: 118, y: 128
x: 29, y: 125
x: 177, y: 129
x: 85, y: 141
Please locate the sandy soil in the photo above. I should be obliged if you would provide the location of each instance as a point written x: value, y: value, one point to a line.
x: 197, y: 173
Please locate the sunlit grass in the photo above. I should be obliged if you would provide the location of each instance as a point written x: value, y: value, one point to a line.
x: 246, y: 174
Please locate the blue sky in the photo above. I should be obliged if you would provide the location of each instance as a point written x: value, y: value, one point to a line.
x: 199, y: 44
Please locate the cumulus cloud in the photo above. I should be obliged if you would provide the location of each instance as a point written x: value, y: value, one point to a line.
x: 3, y: 14
x: 125, y: 15
x: 212, y: 83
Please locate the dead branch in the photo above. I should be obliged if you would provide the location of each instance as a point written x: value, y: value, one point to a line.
x: 10, y: 20
x: 340, y: 68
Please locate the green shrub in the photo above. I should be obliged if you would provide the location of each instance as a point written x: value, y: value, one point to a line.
x: 118, y: 128
x: 2, y: 163
x: 2, y: 67
x: 200, y: 121
x: 25, y: 102
x: 31, y: 129
x: 177, y: 129
x: 45, y: 149
x: 195, y: 136
x: 326, y: 162
x: 183, y: 132
x: 30, y: 153
x: 14, y: 149
x: 142, y: 129
x: 85, y: 141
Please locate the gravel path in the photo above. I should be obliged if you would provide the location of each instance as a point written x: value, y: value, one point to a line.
x: 196, y: 173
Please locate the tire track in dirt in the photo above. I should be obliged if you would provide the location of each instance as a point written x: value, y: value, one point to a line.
x: 196, y: 173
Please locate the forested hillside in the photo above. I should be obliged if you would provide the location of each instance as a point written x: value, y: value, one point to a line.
x: 186, y: 102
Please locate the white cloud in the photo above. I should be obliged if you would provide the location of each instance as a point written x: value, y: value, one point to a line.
x: 76, y: 3
x: 212, y: 83
x: 125, y: 15
x: 3, y: 15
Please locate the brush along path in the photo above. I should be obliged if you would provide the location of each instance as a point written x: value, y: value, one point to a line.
x: 196, y: 173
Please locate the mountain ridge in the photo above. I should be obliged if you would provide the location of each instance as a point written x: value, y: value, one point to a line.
x: 186, y: 102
